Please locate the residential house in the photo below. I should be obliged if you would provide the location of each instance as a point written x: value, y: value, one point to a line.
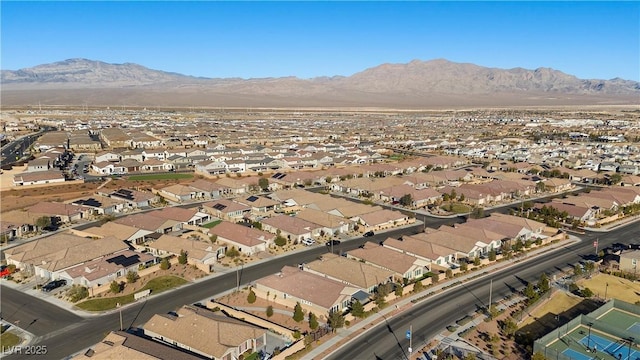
x: 203, y: 255
x: 135, y: 199
x: 630, y: 261
x: 39, y: 178
x: 123, y: 345
x: 49, y: 257
x: 402, y: 265
x: 315, y: 293
x: 185, y: 216
x: 147, y: 221
x: 95, y: 273
x: 384, y: 219
x: 227, y: 210
x: 247, y: 240
x: 291, y: 228
x: 433, y: 253
x: 331, y: 224
x: 178, y: 193
x: 350, y: 271
x: 207, y: 334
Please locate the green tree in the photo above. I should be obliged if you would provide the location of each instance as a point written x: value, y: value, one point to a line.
x: 587, y: 293
x: 589, y: 266
x: 477, y: 213
x: 251, y: 297
x: 449, y: 274
x: 313, y: 321
x: 132, y: 277
x: 538, y: 356
x: 43, y: 221
x: 263, y: 183
x: 463, y: 265
x: 280, y: 241
x: 492, y: 255
x: 418, y: 286
x: 543, y: 283
x: 336, y: 320
x: 77, y: 293
x: 115, y: 287
x: 577, y: 270
x: 232, y: 252
x: 406, y: 200
x: 182, y: 259
x: 530, y: 292
x: 165, y: 264
x: 357, y: 309
x: 381, y: 295
x: 328, y: 179
x: 461, y: 198
x: 476, y: 261
x: 509, y: 327
x: 398, y: 291
x: 298, y: 315
x: 269, y: 311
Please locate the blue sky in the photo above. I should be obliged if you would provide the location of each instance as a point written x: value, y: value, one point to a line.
x: 306, y: 39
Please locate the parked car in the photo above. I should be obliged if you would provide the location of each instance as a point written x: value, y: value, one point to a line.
x: 308, y: 241
x: 4, y: 271
x: 369, y: 233
x: 52, y: 285
x: 333, y: 242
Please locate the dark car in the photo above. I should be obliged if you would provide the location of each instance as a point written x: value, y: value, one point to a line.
x: 52, y: 285
x: 333, y: 242
x: 368, y: 233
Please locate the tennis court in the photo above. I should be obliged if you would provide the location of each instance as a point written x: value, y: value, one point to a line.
x: 620, y: 318
x: 618, y: 350
x: 575, y: 355
x: 635, y: 328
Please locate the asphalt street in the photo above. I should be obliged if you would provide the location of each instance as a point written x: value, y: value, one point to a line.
x: 428, y: 318
x: 64, y: 333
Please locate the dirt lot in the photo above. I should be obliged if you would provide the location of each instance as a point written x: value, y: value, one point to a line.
x: 239, y: 300
x: 619, y: 288
x: 18, y: 198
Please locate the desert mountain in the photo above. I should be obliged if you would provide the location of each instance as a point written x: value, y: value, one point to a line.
x: 416, y: 84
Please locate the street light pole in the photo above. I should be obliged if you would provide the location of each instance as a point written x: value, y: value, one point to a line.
x: 605, y: 291
x: 589, y: 337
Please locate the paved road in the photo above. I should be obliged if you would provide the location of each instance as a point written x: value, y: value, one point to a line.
x: 69, y: 338
x: 428, y: 318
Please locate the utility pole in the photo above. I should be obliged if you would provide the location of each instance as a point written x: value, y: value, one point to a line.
x: 410, y: 338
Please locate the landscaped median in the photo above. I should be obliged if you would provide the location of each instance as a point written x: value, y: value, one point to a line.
x: 156, y: 286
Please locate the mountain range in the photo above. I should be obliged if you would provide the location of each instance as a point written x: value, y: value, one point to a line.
x: 417, y: 84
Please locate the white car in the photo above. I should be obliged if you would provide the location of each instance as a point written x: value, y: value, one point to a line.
x: 308, y: 241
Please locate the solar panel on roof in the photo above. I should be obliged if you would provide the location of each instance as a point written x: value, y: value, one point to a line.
x: 89, y: 202
x: 124, y: 261
x: 219, y: 207
x: 252, y: 198
x: 281, y: 176
x: 275, y: 176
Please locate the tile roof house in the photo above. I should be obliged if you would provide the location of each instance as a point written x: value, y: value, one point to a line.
x: 350, y: 271
x: 247, y: 240
x: 402, y: 265
x: 384, y: 219
x: 123, y: 345
x: 314, y: 292
x: 147, y: 221
x: 178, y: 192
x: 331, y: 224
x: 134, y: 198
x: 48, y: 257
x: 38, y: 178
x: 291, y: 228
x: 104, y: 270
x: 630, y: 261
x: 226, y: 209
x: 203, y: 255
x: 420, y: 248
x: 123, y: 232
x: 185, y: 216
x: 207, y: 334
x: 65, y: 212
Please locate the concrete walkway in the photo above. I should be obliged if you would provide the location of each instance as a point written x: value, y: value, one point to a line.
x: 24, y: 335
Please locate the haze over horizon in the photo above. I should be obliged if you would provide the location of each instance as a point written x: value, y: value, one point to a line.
x: 311, y: 39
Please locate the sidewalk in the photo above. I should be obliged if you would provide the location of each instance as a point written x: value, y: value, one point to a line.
x: 363, y: 326
x: 24, y: 335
